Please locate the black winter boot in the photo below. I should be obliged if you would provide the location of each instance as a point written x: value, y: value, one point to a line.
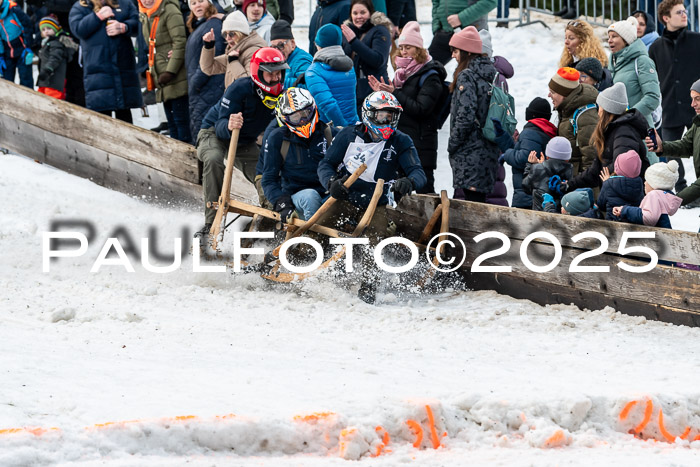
x: 367, y: 292
x: 203, y: 232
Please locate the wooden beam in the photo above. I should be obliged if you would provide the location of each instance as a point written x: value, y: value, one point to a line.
x: 671, y: 245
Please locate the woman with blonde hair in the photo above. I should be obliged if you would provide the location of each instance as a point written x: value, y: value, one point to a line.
x: 580, y: 42
x: 242, y: 43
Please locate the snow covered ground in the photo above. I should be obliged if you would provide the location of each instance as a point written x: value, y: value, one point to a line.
x: 95, y: 367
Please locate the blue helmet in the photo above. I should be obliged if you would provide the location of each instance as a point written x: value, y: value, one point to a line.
x: 380, y: 114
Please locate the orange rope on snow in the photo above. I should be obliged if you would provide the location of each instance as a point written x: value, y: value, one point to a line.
x: 669, y: 437
x: 417, y: 430
x: 433, y: 432
x: 385, y: 440
x: 647, y: 416
x: 626, y: 410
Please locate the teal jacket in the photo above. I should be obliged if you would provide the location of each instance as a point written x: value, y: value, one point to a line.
x: 633, y: 67
x: 470, y: 12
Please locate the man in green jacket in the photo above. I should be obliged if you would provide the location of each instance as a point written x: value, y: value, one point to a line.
x: 688, y: 146
x: 450, y: 16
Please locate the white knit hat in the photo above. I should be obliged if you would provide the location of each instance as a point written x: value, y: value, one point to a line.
x: 626, y: 29
x: 236, y: 21
x: 662, y: 175
x: 558, y: 148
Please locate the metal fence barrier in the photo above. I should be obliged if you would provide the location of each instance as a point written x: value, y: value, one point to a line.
x: 605, y: 12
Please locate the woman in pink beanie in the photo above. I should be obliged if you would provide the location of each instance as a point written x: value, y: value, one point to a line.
x: 417, y: 84
x: 474, y: 159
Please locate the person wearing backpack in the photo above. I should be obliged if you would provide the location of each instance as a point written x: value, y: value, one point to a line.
x: 418, y: 86
x: 473, y: 157
x: 576, y: 107
x: 15, y: 42
x: 292, y: 153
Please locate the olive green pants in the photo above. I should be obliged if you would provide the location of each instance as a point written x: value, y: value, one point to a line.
x: 212, y: 151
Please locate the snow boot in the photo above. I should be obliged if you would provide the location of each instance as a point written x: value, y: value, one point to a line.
x: 203, y: 232
x: 570, y: 14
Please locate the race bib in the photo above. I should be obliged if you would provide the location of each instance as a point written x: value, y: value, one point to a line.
x: 359, y: 153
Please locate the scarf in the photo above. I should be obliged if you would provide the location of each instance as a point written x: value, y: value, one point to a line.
x: 327, y: 53
x: 407, y: 67
x: 150, y: 11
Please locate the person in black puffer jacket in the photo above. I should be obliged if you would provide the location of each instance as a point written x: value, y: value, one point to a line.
x: 619, y: 130
x: 204, y: 91
x: 417, y: 84
x: 367, y: 40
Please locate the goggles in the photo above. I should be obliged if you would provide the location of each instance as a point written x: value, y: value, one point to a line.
x: 384, y: 117
x: 268, y: 101
x: 300, y: 117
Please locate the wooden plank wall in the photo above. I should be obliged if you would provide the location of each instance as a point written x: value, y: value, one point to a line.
x: 666, y: 293
x: 107, y: 151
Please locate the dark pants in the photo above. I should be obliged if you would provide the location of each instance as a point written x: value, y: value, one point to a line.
x: 469, y: 195
x: 26, y: 78
x: 674, y: 134
x: 122, y: 114
x: 177, y: 111
x: 440, y: 46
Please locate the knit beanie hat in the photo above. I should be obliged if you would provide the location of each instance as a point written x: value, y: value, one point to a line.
x: 577, y: 202
x: 564, y: 81
x: 538, y: 108
x: 281, y: 29
x: 468, y: 40
x: 626, y: 29
x: 236, y: 21
x: 250, y: 2
x: 614, y: 99
x: 558, y: 148
x: 696, y: 86
x: 628, y: 164
x: 410, y: 35
x: 50, y: 21
x: 486, y: 47
x: 592, y: 67
x: 328, y: 35
x: 662, y: 175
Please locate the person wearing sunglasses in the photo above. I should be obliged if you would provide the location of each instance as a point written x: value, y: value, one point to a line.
x: 580, y: 42
x: 241, y: 44
x: 281, y: 38
x: 247, y: 105
x: 387, y: 152
x: 676, y: 57
x: 292, y: 153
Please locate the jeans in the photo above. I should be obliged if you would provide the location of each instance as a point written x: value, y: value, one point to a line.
x: 307, y: 202
x: 503, y: 9
x: 177, y: 111
x: 26, y: 77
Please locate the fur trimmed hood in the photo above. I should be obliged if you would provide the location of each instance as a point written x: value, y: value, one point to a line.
x: 377, y: 19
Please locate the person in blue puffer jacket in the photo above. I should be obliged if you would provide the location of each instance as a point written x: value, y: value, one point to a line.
x: 105, y: 29
x: 15, y: 42
x: 204, y: 91
x: 327, y: 12
x: 535, y: 135
x: 298, y: 59
x: 331, y: 79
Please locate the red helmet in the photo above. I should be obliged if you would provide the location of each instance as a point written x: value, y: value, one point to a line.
x: 268, y: 59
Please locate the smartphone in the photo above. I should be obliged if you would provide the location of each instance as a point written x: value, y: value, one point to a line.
x: 652, y: 135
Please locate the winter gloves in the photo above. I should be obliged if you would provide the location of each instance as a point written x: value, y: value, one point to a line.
x: 547, y: 198
x: 337, y: 188
x: 403, y: 186
x: 497, y: 127
x: 27, y: 56
x: 43, y: 75
x: 165, y: 78
x: 285, y: 207
x: 557, y: 185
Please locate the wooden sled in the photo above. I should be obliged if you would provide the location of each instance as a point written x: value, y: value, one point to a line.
x: 276, y: 275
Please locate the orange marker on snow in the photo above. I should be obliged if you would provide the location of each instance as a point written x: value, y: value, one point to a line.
x: 417, y: 430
